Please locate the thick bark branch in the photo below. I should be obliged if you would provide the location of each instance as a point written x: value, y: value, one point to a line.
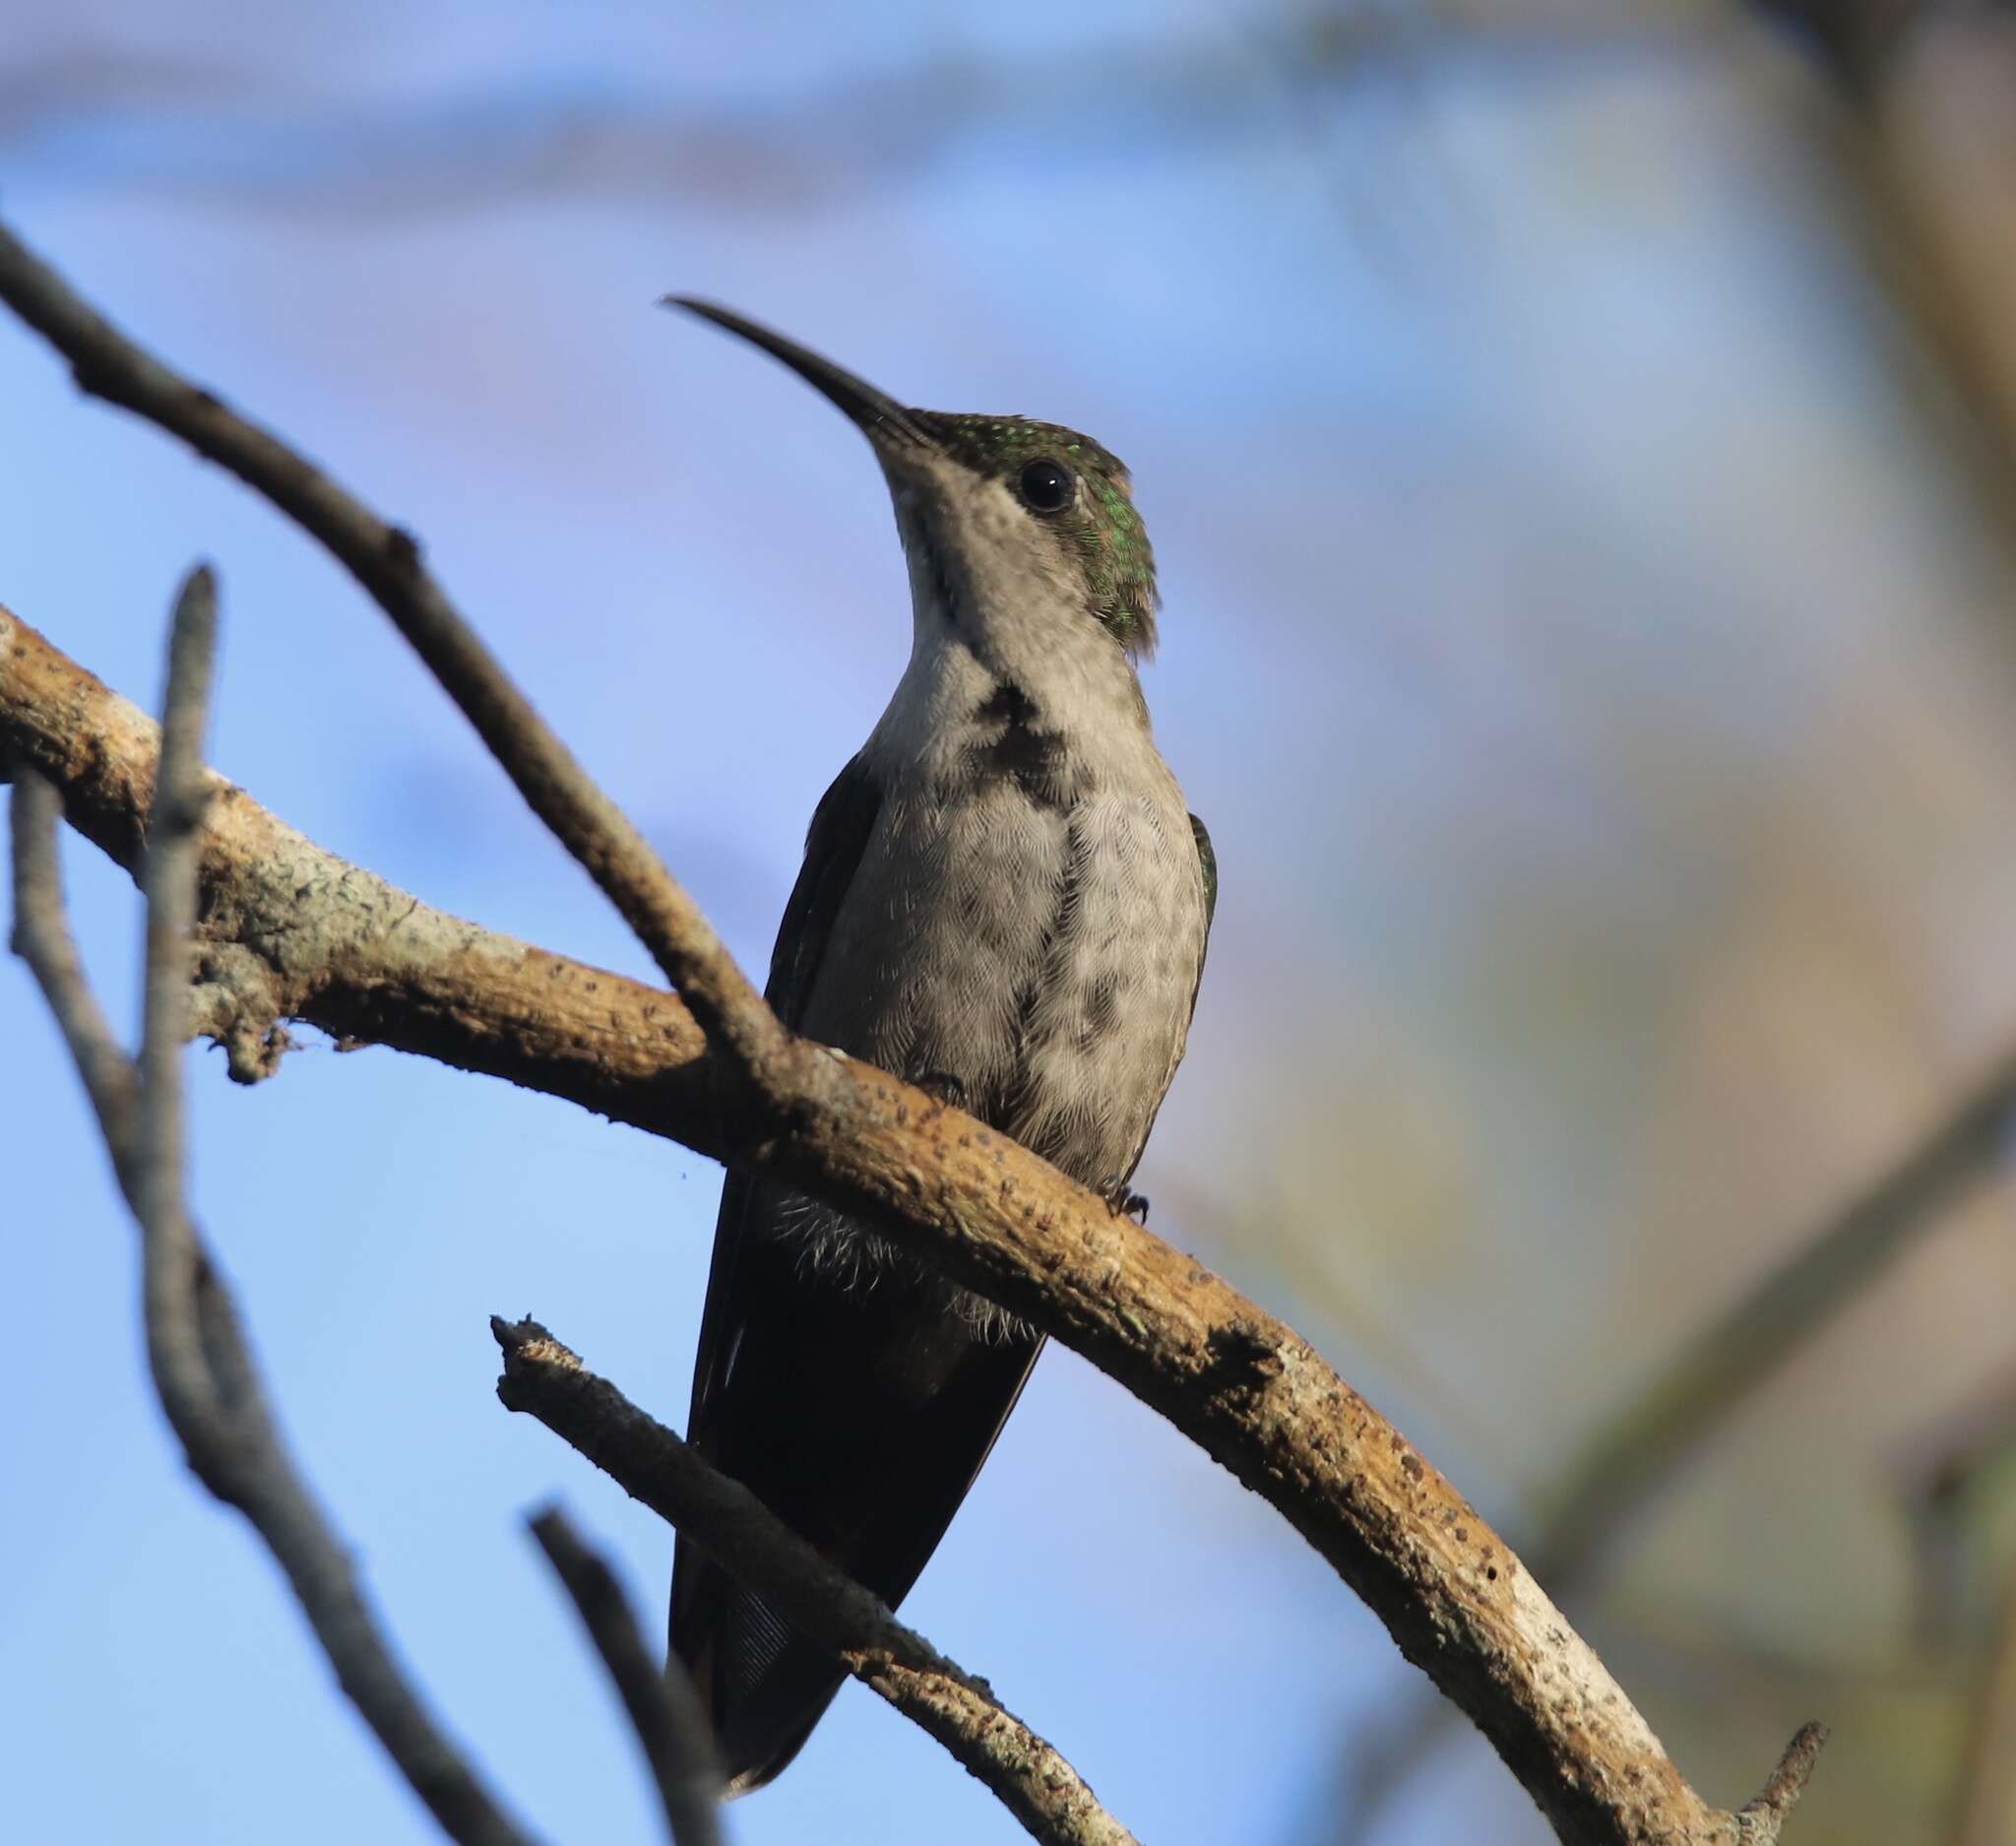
x: 732, y: 1526
x: 969, y: 1200
x: 289, y: 931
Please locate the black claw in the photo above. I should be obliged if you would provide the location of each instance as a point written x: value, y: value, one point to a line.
x: 948, y: 1089
x: 1126, y: 1203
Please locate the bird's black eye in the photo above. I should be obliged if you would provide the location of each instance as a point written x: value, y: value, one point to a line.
x: 1047, y: 486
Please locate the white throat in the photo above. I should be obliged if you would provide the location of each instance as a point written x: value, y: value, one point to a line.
x: 991, y: 605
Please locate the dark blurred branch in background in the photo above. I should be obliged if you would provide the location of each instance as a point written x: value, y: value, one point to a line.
x: 1924, y: 135
x: 1943, y: 1475
x: 1950, y: 1480
x: 1663, y: 1429
x: 1915, y: 118
x: 1986, y: 1794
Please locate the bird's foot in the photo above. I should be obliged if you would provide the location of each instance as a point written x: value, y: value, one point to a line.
x: 945, y: 1087
x: 1124, y: 1202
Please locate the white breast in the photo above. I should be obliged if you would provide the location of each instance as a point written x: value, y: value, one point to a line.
x: 1037, y: 946
x: 1026, y: 928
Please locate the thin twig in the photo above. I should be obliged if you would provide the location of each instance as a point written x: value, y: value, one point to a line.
x: 386, y: 559
x: 172, y: 1269
x: 664, y: 1709
x: 210, y: 1391
x: 546, y: 1380
x: 43, y: 941
x: 1765, y: 1814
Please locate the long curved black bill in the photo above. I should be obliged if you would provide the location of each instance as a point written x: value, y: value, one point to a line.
x: 878, y: 417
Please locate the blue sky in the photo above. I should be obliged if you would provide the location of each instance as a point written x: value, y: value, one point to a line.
x: 1568, y: 638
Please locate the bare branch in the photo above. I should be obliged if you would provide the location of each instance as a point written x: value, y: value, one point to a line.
x: 1918, y: 199
x: 977, y: 1206
x: 293, y: 931
x: 210, y: 1387
x: 1763, y: 1817
x: 544, y: 1379
x: 665, y: 1710
x: 43, y: 942
x: 171, y: 1266
x: 386, y: 559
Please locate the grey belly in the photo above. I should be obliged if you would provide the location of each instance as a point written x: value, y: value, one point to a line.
x: 1035, y: 962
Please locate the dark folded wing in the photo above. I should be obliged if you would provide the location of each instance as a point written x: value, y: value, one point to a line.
x: 841, y: 826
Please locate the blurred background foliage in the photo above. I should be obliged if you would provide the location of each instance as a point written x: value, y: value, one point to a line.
x: 1580, y: 445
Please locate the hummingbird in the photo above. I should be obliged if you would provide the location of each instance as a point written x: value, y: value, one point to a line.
x: 1005, y: 900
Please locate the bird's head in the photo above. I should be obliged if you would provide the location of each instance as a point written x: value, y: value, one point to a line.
x: 1006, y: 520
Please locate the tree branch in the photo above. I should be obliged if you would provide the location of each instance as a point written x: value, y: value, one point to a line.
x: 41, y: 938
x: 1762, y: 1816
x: 664, y: 1709
x: 386, y: 560
x: 174, y: 1277
x: 967, y: 1199
x: 292, y: 930
x: 210, y: 1391
x: 544, y: 1379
